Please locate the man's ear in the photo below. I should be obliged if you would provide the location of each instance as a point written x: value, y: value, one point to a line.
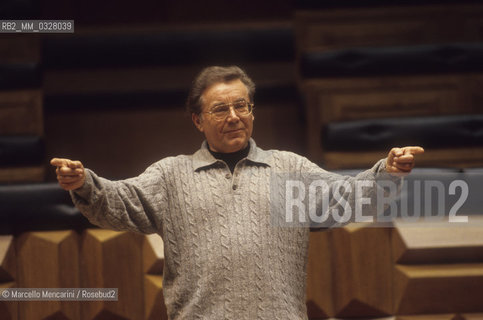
x: 197, y: 121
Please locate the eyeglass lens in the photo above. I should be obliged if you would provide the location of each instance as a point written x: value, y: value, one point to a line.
x: 241, y: 108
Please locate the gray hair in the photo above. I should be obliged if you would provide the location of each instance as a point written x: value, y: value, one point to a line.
x: 215, y: 74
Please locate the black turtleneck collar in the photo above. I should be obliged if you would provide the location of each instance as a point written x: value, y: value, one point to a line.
x: 231, y: 158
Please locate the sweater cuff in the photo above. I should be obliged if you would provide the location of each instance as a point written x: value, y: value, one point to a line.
x: 84, y: 193
x: 382, y: 174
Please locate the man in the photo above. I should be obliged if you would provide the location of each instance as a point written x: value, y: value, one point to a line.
x: 224, y: 259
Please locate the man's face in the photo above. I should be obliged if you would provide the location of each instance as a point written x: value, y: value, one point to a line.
x: 232, y: 133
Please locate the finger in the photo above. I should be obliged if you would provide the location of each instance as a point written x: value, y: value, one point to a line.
x: 397, y: 152
x: 404, y: 159
x: 405, y: 167
x: 75, y: 164
x: 58, y: 162
x: 394, y: 152
x: 413, y: 150
x: 66, y: 171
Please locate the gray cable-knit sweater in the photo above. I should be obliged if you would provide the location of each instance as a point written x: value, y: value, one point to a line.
x: 224, y: 257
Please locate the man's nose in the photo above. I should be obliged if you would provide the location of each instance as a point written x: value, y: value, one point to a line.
x: 233, y: 116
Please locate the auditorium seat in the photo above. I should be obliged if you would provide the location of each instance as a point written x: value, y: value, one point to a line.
x: 21, y: 150
x: 397, y: 60
x: 39, y: 206
x: 20, y: 75
x: 456, y: 131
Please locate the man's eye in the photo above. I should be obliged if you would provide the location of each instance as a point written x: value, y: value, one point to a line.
x: 221, y: 109
x: 240, y: 105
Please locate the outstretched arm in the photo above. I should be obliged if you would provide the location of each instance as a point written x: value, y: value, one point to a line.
x: 345, y: 199
x: 134, y: 204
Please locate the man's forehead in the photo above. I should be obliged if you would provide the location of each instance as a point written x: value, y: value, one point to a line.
x: 222, y: 91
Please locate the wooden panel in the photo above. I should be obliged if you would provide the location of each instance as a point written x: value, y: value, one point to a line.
x: 472, y: 316
x: 344, y: 99
x: 276, y: 126
x: 153, y: 299
x: 8, y: 309
x: 153, y: 254
x: 319, y: 276
x: 8, y: 276
x: 452, y: 287
x: 21, y: 112
x: 429, y: 317
x: 362, y: 271
x: 475, y: 86
x: 414, y: 243
x: 440, y: 261
x: 22, y: 174
x: 354, y: 104
x: 153, y: 262
x: 14, y: 49
x: 142, y: 79
x: 111, y: 259
x: 130, y: 135
x: 48, y: 260
x: 8, y: 267
x: 339, y: 28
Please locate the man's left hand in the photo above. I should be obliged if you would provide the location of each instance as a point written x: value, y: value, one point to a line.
x: 400, y: 161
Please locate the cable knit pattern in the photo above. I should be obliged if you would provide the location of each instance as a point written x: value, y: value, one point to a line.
x: 224, y: 257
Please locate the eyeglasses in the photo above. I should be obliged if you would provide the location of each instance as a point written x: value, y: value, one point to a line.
x: 242, y: 108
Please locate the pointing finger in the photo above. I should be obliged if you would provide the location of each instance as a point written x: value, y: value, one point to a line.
x: 57, y: 162
x: 413, y: 150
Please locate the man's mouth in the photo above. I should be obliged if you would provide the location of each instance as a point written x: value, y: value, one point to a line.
x: 234, y: 130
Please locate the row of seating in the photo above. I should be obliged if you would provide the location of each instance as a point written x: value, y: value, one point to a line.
x: 20, y: 75
x: 395, y: 60
x: 170, y: 48
x: 40, y: 206
x: 389, y: 76
x: 381, y: 134
x: 21, y: 150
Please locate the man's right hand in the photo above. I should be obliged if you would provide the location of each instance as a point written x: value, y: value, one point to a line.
x: 70, y: 174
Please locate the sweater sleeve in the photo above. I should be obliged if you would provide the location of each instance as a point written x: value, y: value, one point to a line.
x: 346, y: 199
x: 135, y: 204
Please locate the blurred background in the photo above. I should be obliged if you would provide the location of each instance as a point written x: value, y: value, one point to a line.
x: 340, y: 82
